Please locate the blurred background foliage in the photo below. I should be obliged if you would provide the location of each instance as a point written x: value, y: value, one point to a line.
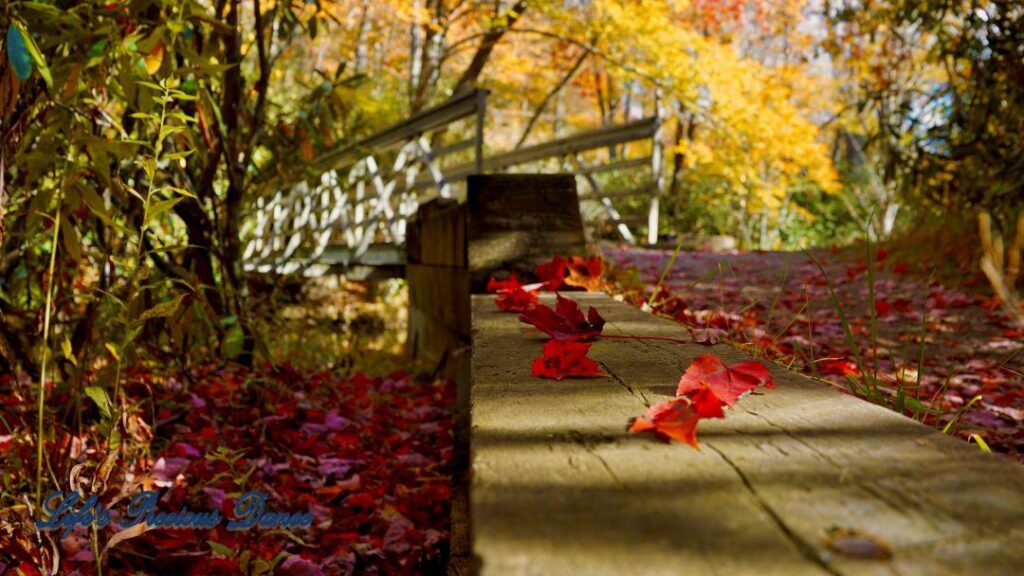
x: 137, y: 134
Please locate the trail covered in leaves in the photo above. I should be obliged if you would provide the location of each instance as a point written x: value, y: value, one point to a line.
x: 368, y: 457
x: 947, y: 356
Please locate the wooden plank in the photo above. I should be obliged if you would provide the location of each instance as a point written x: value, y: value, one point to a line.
x: 436, y: 235
x: 516, y: 221
x: 455, y: 147
x: 559, y: 487
x: 446, y: 234
x: 442, y: 293
x: 456, y: 108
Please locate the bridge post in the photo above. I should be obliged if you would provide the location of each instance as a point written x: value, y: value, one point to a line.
x: 510, y: 222
x: 657, y: 162
x: 517, y: 221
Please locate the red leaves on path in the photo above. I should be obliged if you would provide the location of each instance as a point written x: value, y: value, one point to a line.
x: 705, y: 388
x: 677, y: 419
x: 552, y: 274
x: 837, y: 367
x: 562, y: 357
x: 558, y: 274
x: 507, y: 285
x: 575, y: 271
x: 585, y: 273
x: 728, y: 383
x: 565, y: 359
x: 565, y: 321
x: 517, y: 300
x: 512, y: 295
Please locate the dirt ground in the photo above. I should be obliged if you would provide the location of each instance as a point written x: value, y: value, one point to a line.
x: 779, y: 306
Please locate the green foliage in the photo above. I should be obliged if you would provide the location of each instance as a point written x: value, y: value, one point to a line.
x: 133, y: 136
x: 939, y: 87
x: 148, y: 128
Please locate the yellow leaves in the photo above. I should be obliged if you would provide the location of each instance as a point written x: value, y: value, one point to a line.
x: 763, y: 143
x: 694, y: 152
x: 113, y: 351
x: 155, y: 58
x: 754, y: 141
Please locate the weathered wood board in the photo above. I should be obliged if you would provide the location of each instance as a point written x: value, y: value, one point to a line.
x: 516, y: 221
x: 438, y: 283
x: 559, y: 487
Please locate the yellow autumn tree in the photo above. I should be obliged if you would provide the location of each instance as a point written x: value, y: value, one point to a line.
x: 733, y: 74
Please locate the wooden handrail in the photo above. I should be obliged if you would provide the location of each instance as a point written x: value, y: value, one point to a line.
x: 458, y: 107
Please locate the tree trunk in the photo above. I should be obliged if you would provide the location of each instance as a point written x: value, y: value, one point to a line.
x: 483, y: 53
x: 547, y: 99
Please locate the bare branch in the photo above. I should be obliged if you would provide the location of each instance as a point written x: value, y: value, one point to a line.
x: 550, y: 95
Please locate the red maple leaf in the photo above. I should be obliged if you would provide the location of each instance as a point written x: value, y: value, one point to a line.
x: 552, y: 274
x: 677, y: 419
x: 885, y: 308
x: 902, y: 305
x: 728, y: 383
x: 507, y: 285
x: 517, y: 300
x: 565, y: 359
x: 882, y: 307
x: 565, y: 321
x: 837, y: 367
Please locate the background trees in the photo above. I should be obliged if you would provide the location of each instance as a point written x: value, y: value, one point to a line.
x: 139, y: 129
x: 137, y: 133
x: 937, y: 102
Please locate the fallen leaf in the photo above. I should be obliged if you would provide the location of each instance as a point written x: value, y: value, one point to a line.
x: 507, y: 285
x: 882, y: 307
x: 728, y: 383
x: 584, y: 273
x: 885, y: 308
x: 126, y: 534
x: 677, y: 419
x: 837, y: 367
x: 296, y: 565
x: 517, y: 300
x: 707, y: 336
x: 565, y: 321
x: 565, y: 359
x: 552, y: 274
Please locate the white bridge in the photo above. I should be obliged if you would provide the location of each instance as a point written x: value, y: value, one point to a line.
x: 355, y: 214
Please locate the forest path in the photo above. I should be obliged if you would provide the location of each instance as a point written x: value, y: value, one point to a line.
x: 800, y: 479
x: 777, y: 304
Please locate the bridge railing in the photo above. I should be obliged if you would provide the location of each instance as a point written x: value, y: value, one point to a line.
x: 368, y: 190
x: 365, y: 194
x: 580, y: 154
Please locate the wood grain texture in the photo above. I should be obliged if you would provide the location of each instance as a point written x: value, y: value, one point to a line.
x: 516, y: 221
x: 436, y: 234
x: 559, y: 487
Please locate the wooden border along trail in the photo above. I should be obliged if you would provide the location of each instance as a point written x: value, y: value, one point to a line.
x: 559, y: 487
